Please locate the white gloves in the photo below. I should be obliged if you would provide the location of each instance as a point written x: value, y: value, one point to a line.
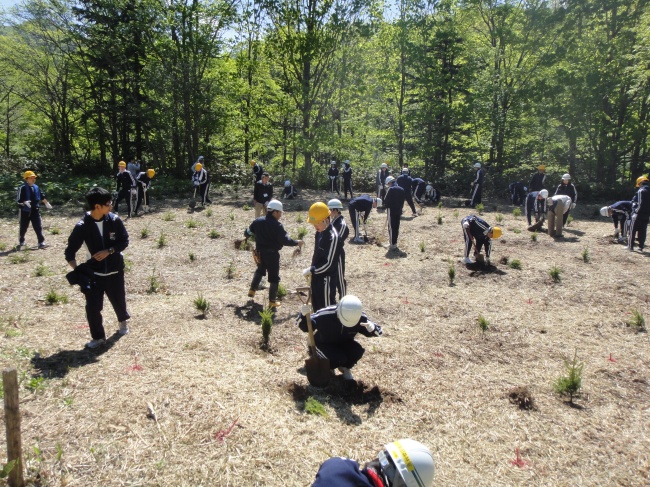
x: 134, y: 191
x: 573, y: 205
x: 196, y: 183
x: 48, y: 205
x: 28, y: 204
x: 307, y: 271
x: 370, y: 326
x: 305, y: 309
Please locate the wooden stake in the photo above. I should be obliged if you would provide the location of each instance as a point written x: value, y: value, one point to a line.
x: 12, y: 421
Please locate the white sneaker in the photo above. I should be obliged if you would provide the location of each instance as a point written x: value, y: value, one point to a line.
x: 95, y: 343
x: 467, y: 260
x: 124, y: 328
x: 347, y: 374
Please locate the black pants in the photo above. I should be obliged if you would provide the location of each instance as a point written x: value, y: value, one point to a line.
x: 477, y: 193
x: 409, y: 200
x: 639, y: 226
x: 33, y: 216
x: 114, y: 288
x: 393, y: 225
x: 271, y: 264
x: 347, y: 186
x: 354, y: 218
x: 323, y: 291
x: 344, y: 354
x: 123, y: 194
x: 334, y: 185
x: 341, y: 285
x: 204, y: 189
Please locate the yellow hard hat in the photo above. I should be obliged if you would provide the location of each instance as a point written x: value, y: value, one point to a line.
x: 198, y: 167
x: 29, y: 174
x: 541, y: 167
x: 640, y: 180
x: 252, y: 162
x: 121, y: 164
x: 496, y: 232
x: 317, y: 213
x: 151, y: 173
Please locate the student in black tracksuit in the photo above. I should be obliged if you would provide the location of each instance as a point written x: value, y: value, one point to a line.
x: 347, y: 179
x: 262, y: 194
x: 28, y: 199
x: 405, y: 182
x: 478, y: 232
x: 105, y: 237
x: 365, y: 204
x: 621, y: 213
x: 338, y: 222
x: 431, y: 194
x: 537, y: 181
x: 333, y: 174
x: 201, y: 180
x: 640, y: 216
x: 517, y: 193
x: 143, y: 181
x: 334, y: 339
x: 477, y: 186
x: 270, y: 237
x: 566, y: 187
x: 125, y: 183
x: 258, y: 170
x: 382, y: 174
x: 290, y: 192
x: 536, y: 203
x: 418, y: 188
x: 394, y: 203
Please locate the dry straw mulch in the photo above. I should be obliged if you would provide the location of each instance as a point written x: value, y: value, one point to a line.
x: 189, y: 401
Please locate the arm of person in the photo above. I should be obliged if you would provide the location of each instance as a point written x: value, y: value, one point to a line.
x: 75, y: 241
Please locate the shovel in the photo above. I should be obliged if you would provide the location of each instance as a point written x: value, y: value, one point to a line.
x: 318, y: 369
x: 365, y: 233
x: 193, y: 202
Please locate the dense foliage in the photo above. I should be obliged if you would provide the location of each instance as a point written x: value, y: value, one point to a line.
x: 295, y: 85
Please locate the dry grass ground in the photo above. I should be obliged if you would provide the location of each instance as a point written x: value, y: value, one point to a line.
x: 228, y: 413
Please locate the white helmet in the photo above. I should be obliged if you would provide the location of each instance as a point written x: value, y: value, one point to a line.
x: 407, y: 462
x: 378, y: 201
x: 566, y: 176
x: 525, y: 188
x: 604, y: 211
x: 543, y: 193
x: 346, y: 162
x: 405, y: 170
x: 429, y: 188
x: 333, y: 163
x: 274, y: 205
x: 389, y: 179
x: 477, y: 165
x: 287, y: 183
x: 349, y: 310
x: 384, y: 165
x: 335, y: 204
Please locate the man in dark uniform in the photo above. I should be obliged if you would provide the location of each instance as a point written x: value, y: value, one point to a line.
x: 537, y: 181
x: 566, y: 187
x: 382, y: 174
x: 621, y: 213
x: 333, y: 175
x: 536, y: 203
x: 258, y: 170
x: 338, y: 222
x: 405, y: 182
x: 201, y: 180
x: 323, y: 262
x: 418, y: 188
x: 125, y: 183
x: 478, y: 233
x: 347, y: 179
x: 640, y: 215
x: 334, y: 330
x: 262, y: 195
x: 517, y: 193
x: 270, y: 237
x: 28, y: 199
x: 144, y: 182
x: 477, y: 185
x: 365, y: 204
x: 394, y: 203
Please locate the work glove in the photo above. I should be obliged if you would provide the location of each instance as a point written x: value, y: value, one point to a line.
x: 373, y: 328
x: 28, y: 204
x: 573, y: 205
x: 195, y: 183
x: 48, y: 205
x: 134, y: 191
x: 307, y: 271
x: 305, y: 309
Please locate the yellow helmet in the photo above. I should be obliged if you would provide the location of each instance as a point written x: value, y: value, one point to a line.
x: 121, y: 164
x: 640, y: 180
x: 198, y: 167
x: 541, y: 167
x: 317, y: 213
x: 252, y: 162
x: 495, y: 232
x: 29, y: 174
x: 151, y: 173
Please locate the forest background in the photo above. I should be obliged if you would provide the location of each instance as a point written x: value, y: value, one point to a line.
x: 296, y: 84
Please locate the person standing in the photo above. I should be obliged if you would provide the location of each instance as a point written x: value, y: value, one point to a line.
x: 347, y: 179
x: 537, y: 181
x: 365, y: 204
x: 556, y: 207
x: 338, y: 222
x: 517, y: 193
x: 405, y: 182
x: 333, y: 174
x: 477, y: 186
x: 105, y: 237
x: 394, y: 203
x: 335, y: 327
x: 566, y: 187
x: 201, y: 180
x: 125, y: 184
x: 28, y: 199
x: 640, y: 215
x: 270, y: 237
x: 198, y: 161
x: 621, y: 214
x: 401, y: 463
x: 258, y: 171
x: 133, y: 167
x: 382, y: 174
x: 144, y: 183
x: 262, y: 195
x: 478, y: 234
x: 323, y: 262
x: 536, y: 203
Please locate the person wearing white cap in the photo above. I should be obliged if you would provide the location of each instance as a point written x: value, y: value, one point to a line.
x: 566, y: 187
x: 556, y: 206
x: 536, y: 203
x: 347, y: 179
x: 335, y: 327
x: 333, y: 175
x: 382, y: 174
x: 477, y: 185
x: 290, y: 192
x: 406, y: 182
x: 402, y: 463
x: 621, y: 213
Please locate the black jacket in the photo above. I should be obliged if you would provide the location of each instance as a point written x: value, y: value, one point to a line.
x: 395, y: 196
x: 270, y: 235
x: 328, y: 328
x: 263, y: 192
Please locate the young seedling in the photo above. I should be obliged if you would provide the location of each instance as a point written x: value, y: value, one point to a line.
x: 35, y: 384
x: 191, y: 256
x: 570, y: 384
x: 423, y: 247
x: 585, y: 254
x: 516, y: 212
x: 162, y: 240
x: 312, y: 406
x: 499, y: 217
x: 209, y: 212
x: 3, y: 246
x: 480, y: 207
x: 282, y: 291
x: 516, y: 230
x: 231, y: 216
x: 53, y: 297
x: 154, y: 283
x: 128, y: 265
x: 299, y: 218
x: 144, y: 233
x: 439, y: 205
x: 19, y: 257
x: 483, y: 323
x: 55, y: 230
x: 214, y: 234
x: 169, y: 216
x: 42, y: 270
x: 267, y: 325
x: 302, y: 231
x: 637, y: 321
x: 451, y: 272
x: 569, y: 219
x: 515, y: 264
x: 191, y: 223
x: 246, y: 207
x: 202, y: 305
x: 455, y: 213
x: 556, y: 273
x: 533, y: 237
x: 439, y: 218
x: 231, y: 270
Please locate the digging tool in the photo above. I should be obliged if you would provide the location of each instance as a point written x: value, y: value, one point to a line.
x: 537, y: 226
x: 145, y: 198
x: 317, y: 368
x: 193, y: 202
x: 365, y: 232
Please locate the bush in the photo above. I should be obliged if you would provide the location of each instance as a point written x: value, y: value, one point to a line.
x: 267, y: 324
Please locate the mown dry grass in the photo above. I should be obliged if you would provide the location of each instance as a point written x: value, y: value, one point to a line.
x: 229, y: 413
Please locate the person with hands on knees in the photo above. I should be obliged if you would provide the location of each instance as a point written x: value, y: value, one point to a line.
x: 270, y: 237
x: 566, y: 187
x: 556, y: 207
x: 478, y: 233
x: 324, y: 261
x: 365, y: 204
x: 335, y: 328
x: 105, y: 237
x: 536, y: 203
x: 28, y: 199
x: 621, y: 214
x: 402, y: 463
x: 290, y: 192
